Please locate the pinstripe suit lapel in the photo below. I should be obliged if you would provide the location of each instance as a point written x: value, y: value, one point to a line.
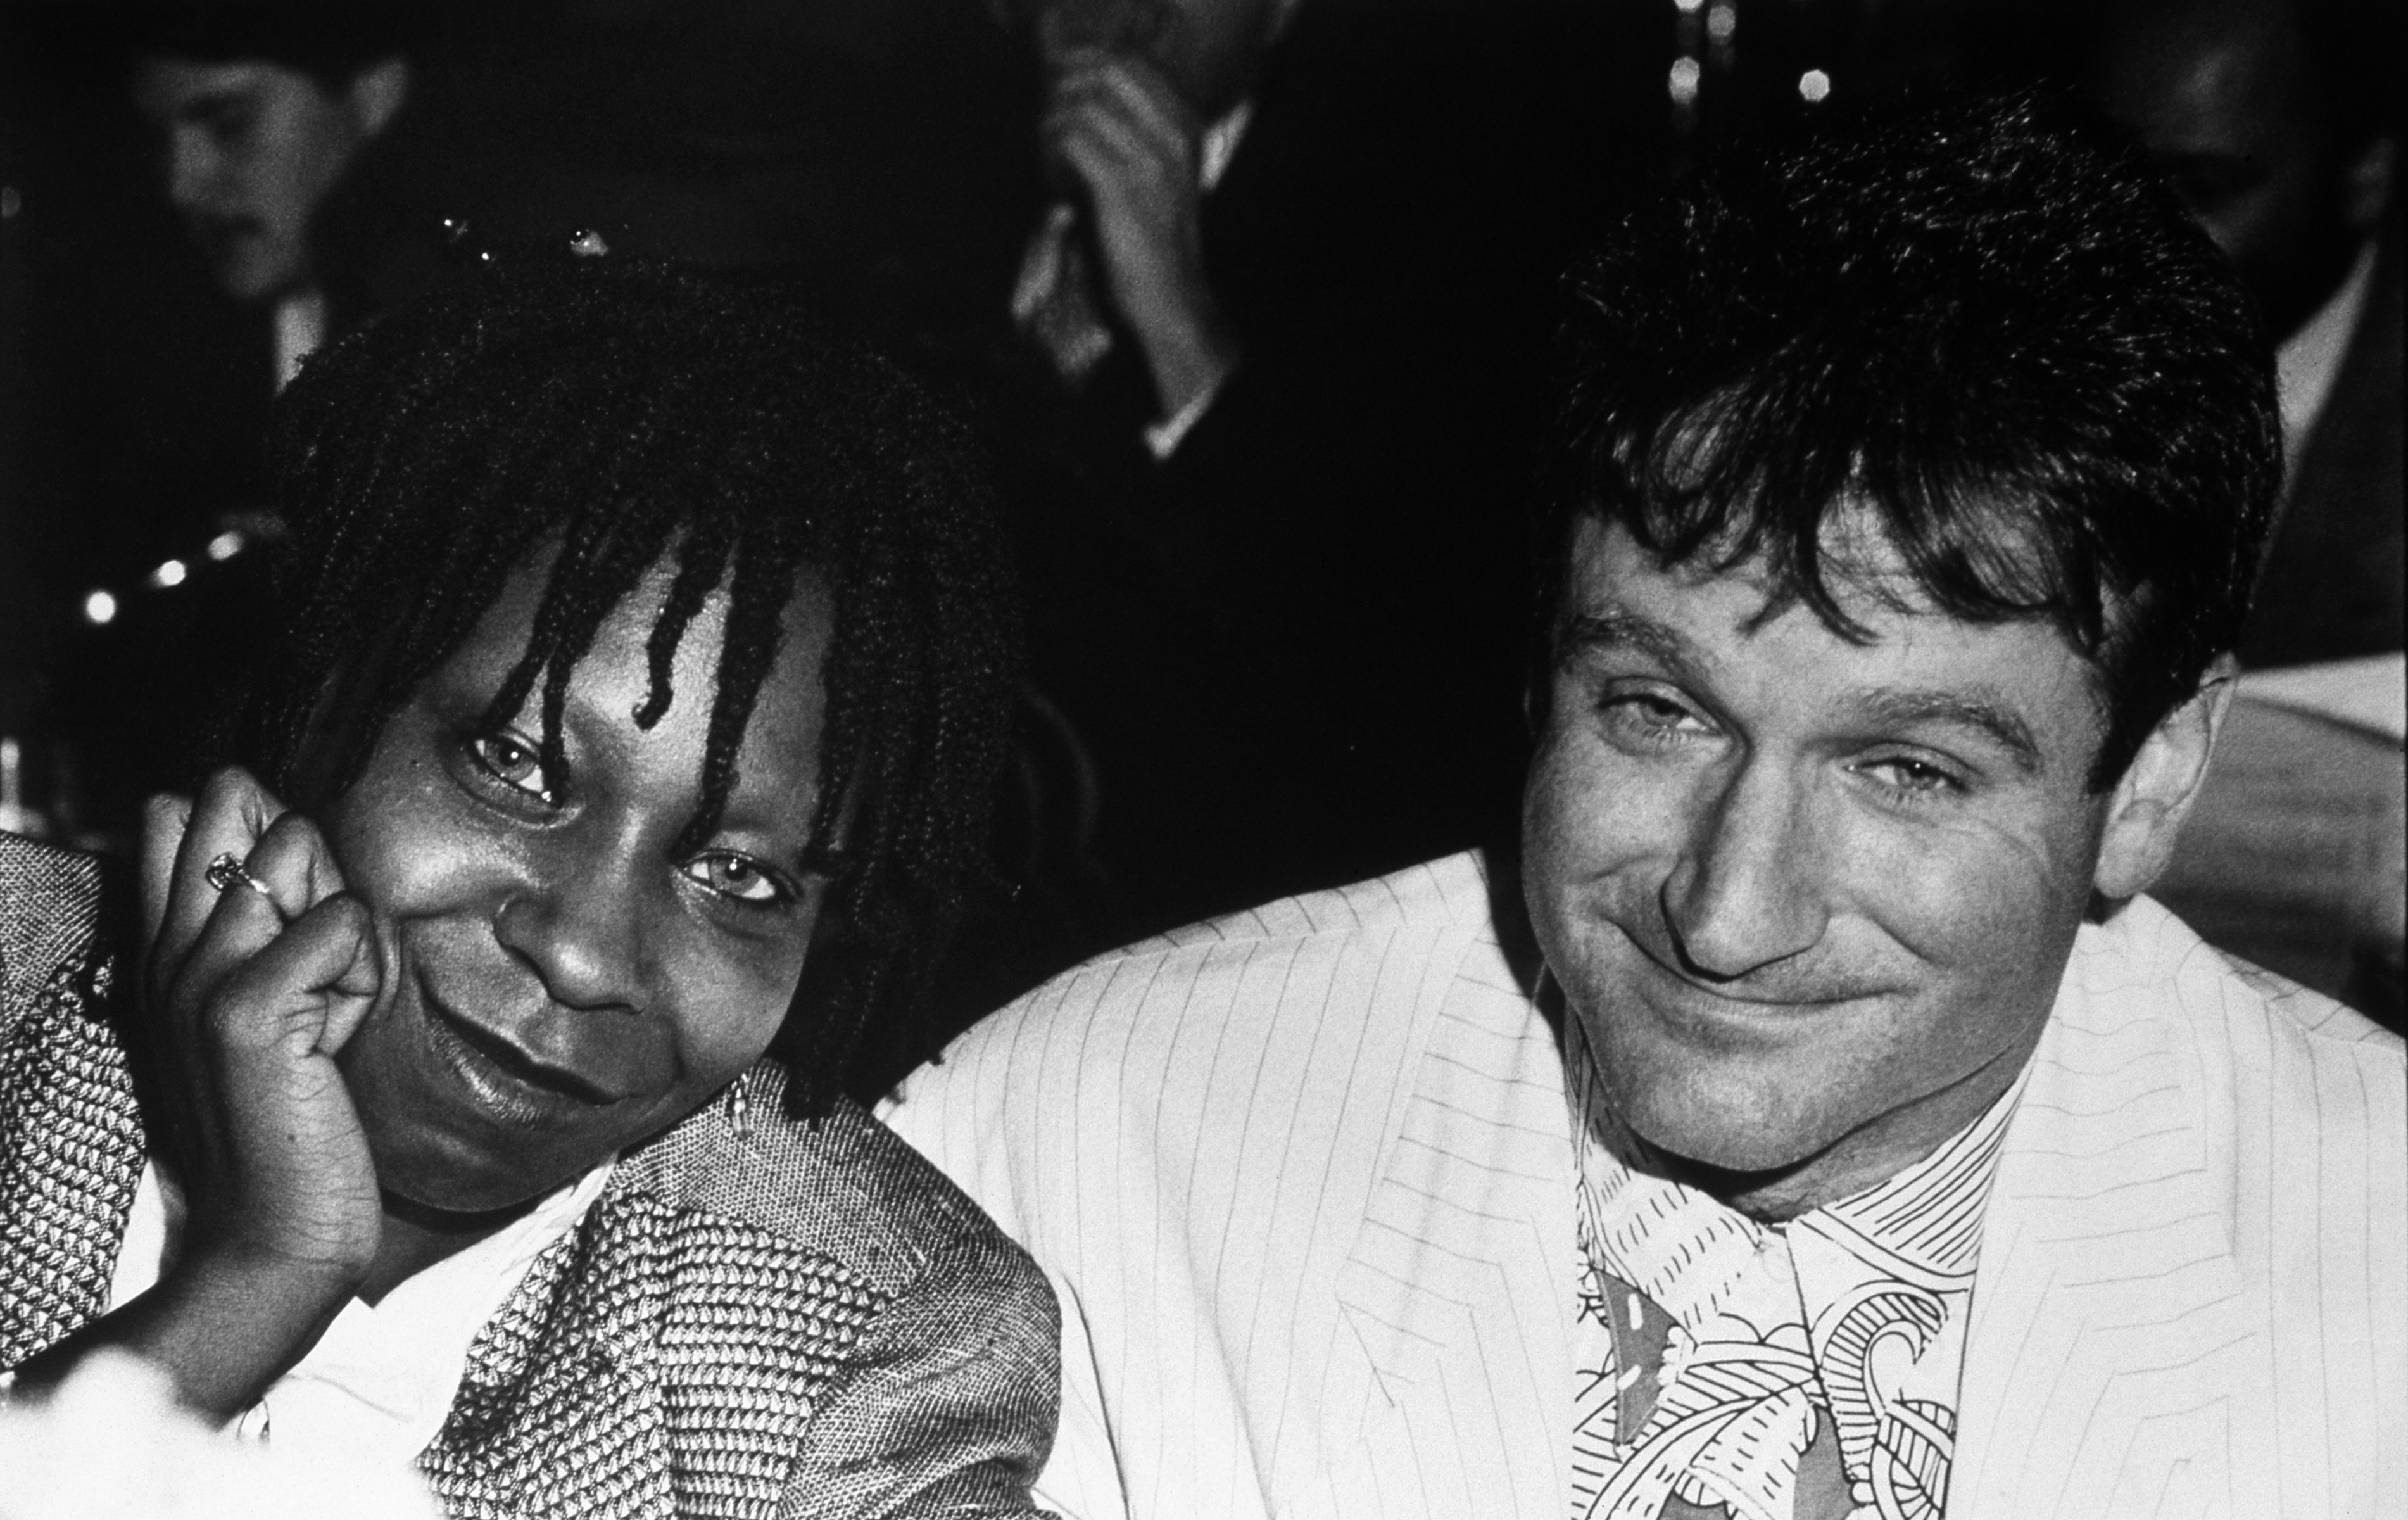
x: 2113, y: 1346
x: 1459, y: 1284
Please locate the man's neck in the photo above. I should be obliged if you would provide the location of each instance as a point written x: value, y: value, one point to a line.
x: 1863, y: 1158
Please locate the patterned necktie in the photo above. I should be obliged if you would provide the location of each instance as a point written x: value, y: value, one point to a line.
x: 1800, y: 1372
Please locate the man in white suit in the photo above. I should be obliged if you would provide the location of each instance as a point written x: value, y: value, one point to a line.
x: 1823, y: 1124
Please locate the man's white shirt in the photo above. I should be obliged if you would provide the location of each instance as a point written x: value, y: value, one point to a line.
x: 1304, y: 1180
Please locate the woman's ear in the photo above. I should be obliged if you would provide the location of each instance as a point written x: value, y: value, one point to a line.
x: 2159, y: 786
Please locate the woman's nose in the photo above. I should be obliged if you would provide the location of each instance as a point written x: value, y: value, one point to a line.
x: 1746, y: 893
x: 573, y: 922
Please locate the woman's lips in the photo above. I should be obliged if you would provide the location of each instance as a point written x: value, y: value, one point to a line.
x: 504, y: 1073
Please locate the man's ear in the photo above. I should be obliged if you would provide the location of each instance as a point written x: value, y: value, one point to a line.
x: 377, y: 94
x: 2365, y: 186
x: 2159, y: 788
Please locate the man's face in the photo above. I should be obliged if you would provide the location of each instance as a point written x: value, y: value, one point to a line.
x: 252, y: 149
x: 2227, y: 103
x: 1797, y: 889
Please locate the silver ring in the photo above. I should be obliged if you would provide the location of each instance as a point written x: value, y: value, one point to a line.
x: 227, y: 869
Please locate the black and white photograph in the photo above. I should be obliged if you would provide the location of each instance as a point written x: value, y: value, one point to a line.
x: 1202, y: 760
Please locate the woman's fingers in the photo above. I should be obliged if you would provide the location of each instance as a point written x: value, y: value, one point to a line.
x: 318, y: 976
x: 286, y: 1168
x: 164, y: 820
x: 228, y: 817
x: 294, y: 863
x: 291, y: 868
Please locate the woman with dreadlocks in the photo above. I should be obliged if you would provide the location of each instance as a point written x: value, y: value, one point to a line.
x: 638, y: 639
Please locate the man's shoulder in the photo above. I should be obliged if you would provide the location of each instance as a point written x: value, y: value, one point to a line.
x: 1430, y: 898
x: 2236, y: 1001
x: 2260, y: 1054
x: 1210, y: 1044
x: 1322, y: 953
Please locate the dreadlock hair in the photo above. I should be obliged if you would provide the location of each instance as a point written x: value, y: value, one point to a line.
x: 1990, y: 330
x: 624, y: 414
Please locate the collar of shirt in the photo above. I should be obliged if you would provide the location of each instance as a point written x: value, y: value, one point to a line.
x: 2310, y: 359
x: 1714, y: 1348
x: 300, y: 322
x: 378, y: 1384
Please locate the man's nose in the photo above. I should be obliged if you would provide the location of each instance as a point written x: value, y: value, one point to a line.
x: 1747, y: 892
x: 192, y: 167
x: 573, y: 920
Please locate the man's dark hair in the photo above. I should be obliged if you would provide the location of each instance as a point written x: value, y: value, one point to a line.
x: 632, y: 413
x: 1991, y: 328
x: 332, y: 41
x: 2352, y: 51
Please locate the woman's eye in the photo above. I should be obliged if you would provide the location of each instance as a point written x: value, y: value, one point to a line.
x: 514, y: 763
x: 737, y: 876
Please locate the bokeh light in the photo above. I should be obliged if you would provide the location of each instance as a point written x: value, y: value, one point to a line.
x: 1684, y: 81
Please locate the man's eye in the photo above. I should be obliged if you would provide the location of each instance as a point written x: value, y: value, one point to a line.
x: 1651, y: 717
x: 1914, y: 778
x: 229, y: 126
x: 513, y: 763
x: 737, y: 877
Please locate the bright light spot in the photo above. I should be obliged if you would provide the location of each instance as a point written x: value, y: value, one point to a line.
x: 226, y: 545
x: 1813, y: 86
x: 1690, y: 7
x: 1722, y: 21
x: 11, y: 202
x: 99, y: 607
x: 169, y: 573
x: 1683, y: 82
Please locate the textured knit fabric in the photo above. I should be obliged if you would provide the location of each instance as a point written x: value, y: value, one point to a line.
x: 1805, y: 1370
x: 378, y: 1386
x: 1304, y: 1180
x: 770, y: 1320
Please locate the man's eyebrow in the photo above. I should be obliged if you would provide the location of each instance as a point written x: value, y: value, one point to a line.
x: 1584, y: 631
x: 1994, y: 719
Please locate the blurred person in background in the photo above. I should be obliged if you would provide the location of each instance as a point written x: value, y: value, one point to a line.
x: 263, y: 111
x: 2278, y: 122
x: 213, y: 188
x: 1145, y: 106
x: 1264, y: 396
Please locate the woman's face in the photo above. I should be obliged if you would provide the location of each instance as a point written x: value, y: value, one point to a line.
x: 561, y: 980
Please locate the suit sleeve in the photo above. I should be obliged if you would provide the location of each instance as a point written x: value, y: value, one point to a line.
x: 949, y: 1406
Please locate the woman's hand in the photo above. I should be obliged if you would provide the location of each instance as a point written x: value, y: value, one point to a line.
x: 251, y: 992
x: 248, y: 995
